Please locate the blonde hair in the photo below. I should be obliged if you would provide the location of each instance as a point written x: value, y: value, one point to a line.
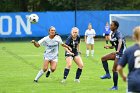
x: 89, y: 25
x: 136, y: 34
x: 75, y: 28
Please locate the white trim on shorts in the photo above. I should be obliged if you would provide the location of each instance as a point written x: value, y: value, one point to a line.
x: 54, y: 60
x: 90, y: 41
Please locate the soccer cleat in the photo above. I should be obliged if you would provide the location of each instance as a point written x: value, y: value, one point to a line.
x: 106, y: 76
x: 114, y: 88
x: 87, y: 55
x: 35, y: 81
x: 77, y: 80
x: 48, y: 73
x: 63, y: 81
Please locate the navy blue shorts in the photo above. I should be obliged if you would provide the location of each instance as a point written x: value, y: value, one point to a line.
x: 119, y: 55
x: 106, y: 34
x: 68, y: 55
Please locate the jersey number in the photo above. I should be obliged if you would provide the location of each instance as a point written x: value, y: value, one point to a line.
x: 137, y: 59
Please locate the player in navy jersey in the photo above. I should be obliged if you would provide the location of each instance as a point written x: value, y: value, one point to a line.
x: 73, y: 41
x: 107, y: 33
x: 132, y: 58
x: 117, y: 42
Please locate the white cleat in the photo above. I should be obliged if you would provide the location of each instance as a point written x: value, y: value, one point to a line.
x: 87, y: 55
x: 77, y: 80
x: 63, y: 81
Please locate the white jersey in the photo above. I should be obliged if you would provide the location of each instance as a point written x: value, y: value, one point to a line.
x: 90, y: 36
x: 52, y: 45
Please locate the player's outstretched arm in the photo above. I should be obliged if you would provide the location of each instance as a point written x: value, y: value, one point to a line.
x: 36, y: 44
x: 66, y: 46
x: 108, y: 47
x: 68, y: 49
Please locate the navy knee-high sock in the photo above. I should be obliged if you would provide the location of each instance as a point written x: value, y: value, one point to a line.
x: 106, y: 41
x: 78, y: 73
x: 66, y: 72
x: 105, y: 66
x: 115, y: 78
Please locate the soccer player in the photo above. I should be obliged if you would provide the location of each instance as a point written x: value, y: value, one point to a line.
x: 51, y: 42
x: 73, y: 41
x: 107, y: 33
x: 132, y: 58
x: 89, y: 39
x: 117, y: 42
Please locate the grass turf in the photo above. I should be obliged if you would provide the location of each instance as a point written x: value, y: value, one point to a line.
x: 21, y: 61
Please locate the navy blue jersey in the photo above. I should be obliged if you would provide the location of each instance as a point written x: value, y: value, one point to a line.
x: 132, y: 58
x: 73, y: 43
x: 107, y: 30
x: 115, y: 41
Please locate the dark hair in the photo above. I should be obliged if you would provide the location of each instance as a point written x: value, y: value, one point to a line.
x: 116, y: 23
x: 51, y: 27
x: 55, y: 30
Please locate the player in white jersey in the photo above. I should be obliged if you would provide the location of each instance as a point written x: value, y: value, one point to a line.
x: 89, y: 39
x: 51, y: 42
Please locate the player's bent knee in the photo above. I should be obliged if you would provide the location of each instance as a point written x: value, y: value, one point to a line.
x: 103, y: 59
x: 45, y: 69
x: 52, y: 69
x: 81, y: 66
x: 114, y: 70
x: 68, y: 66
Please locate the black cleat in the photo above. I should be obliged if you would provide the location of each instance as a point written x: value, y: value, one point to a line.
x: 35, y: 81
x: 48, y: 74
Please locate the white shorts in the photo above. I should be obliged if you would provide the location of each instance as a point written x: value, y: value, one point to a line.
x: 51, y: 57
x: 90, y: 41
x: 55, y: 60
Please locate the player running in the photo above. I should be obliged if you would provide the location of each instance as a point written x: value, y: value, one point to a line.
x: 73, y: 41
x: 51, y: 42
x: 107, y: 33
x: 132, y: 58
x: 89, y: 39
x: 118, y: 43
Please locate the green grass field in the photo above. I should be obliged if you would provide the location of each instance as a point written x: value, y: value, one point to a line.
x: 21, y: 61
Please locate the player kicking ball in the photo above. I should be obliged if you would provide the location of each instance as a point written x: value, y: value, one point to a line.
x: 51, y: 42
x: 73, y: 41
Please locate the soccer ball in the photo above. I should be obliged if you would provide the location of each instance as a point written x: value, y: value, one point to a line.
x: 33, y: 18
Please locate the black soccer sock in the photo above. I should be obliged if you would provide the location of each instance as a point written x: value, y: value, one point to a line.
x: 105, y: 65
x: 66, y: 72
x: 48, y: 73
x: 106, y: 41
x: 78, y: 73
x: 115, y: 78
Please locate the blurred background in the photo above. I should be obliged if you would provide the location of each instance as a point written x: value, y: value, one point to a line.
x: 65, y: 14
